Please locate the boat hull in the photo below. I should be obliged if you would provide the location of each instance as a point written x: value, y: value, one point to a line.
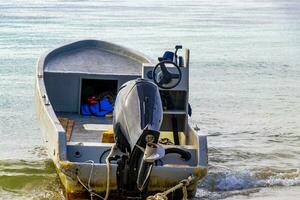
x: 72, y: 173
x: 162, y: 178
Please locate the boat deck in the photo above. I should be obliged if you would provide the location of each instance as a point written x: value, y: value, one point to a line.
x: 87, y: 128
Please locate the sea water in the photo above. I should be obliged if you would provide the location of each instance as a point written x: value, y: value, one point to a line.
x: 244, y: 84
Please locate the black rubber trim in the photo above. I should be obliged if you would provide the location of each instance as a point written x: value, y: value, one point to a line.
x: 184, y: 154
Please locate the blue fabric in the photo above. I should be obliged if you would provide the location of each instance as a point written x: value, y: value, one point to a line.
x: 106, y: 105
x: 85, y: 110
x: 168, y: 55
x: 100, y: 109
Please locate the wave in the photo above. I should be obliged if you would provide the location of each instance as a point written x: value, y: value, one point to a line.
x: 20, y: 179
x: 222, y: 182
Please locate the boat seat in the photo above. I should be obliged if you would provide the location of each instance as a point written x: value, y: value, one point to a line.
x: 97, y: 127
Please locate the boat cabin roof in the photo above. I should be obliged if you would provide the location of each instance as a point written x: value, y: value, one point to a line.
x: 95, y: 57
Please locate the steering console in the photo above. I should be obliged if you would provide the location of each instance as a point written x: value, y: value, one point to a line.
x: 163, y: 78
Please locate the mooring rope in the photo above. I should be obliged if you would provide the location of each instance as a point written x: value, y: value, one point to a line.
x: 88, y: 187
x: 89, y: 190
x: 108, y: 171
x: 183, y: 184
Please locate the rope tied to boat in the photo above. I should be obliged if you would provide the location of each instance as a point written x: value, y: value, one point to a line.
x: 158, y: 196
x: 185, y: 183
x: 108, y: 171
x: 92, y: 194
x: 182, y: 184
x: 88, y: 187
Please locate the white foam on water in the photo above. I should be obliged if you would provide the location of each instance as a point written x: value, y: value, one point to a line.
x: 221, y: 183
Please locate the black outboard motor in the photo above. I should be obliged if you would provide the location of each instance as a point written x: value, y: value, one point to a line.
x: 137, y: 119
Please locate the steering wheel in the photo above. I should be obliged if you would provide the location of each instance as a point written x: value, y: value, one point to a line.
x: 166, y: 77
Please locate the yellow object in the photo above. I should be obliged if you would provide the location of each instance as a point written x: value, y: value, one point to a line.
x: 108, y: 136
x: 109, y: 115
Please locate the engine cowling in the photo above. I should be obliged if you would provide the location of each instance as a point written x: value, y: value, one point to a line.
x: 137, y: 119
x: 137, y: 108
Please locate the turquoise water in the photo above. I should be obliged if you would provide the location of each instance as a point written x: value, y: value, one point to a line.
x: 245, y: 84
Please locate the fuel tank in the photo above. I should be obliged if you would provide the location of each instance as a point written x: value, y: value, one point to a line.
x: 137, y: 109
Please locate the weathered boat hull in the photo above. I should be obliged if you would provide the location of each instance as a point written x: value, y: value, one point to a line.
x: 54, y: 136
x: 162, y: 178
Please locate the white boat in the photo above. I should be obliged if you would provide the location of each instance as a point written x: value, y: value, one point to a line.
x: 144, y: 146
